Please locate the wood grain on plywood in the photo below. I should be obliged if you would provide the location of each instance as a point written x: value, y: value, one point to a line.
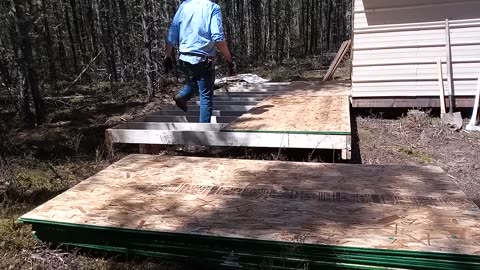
x: 392, y: 207
x: 301, y: 108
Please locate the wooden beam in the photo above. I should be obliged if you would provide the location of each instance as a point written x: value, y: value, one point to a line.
x: 238, y: 139
x: 338, y: 59
x: 223, y: 107
x: 171, y: 126
x: 225, y: 103
x: 183, y: 119
x: 441, y: 87
x: 197, y: 113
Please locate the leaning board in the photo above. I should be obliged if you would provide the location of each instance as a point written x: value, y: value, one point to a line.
x: 303, y: 108
x: 382, y: 207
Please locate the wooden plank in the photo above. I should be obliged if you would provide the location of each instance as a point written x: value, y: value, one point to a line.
x: 197, y: 113
x: 347, y: 48
x: 171, y: 126
x: 226, y: 98
x: 232, y: 139
x: 225, y: 103
x: 338, y: 59
x: 386, y: 207
x: 335, y: 60
x: 222, y: 107
x: 321, y: 109
x: 183, y: 119
x: 441, y: 86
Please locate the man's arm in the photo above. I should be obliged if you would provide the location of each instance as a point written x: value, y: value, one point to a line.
x: 172, y: 39
x: 223, y: 48
x: 216, y: 27
x: 168, y: 50
x: 173, y: 35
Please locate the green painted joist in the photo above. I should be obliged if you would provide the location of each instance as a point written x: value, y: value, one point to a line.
x: 221, y: 262
x: 252, y: 250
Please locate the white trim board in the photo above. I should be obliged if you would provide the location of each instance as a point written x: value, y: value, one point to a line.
x: 237, y: 139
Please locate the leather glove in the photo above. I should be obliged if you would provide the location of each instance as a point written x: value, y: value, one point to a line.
x: 168, y: 64
x: 232, y: 68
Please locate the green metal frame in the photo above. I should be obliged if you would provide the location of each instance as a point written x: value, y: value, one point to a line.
x: 249, y: 252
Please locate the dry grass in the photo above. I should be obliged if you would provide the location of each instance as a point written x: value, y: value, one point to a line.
x: 422, y: 139
x: 314, y: 68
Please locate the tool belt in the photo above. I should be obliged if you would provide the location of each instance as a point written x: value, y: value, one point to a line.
x: 205, y: 58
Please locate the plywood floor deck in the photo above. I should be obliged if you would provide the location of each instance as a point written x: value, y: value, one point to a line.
x: 304, y: 108
x: 387, y: 207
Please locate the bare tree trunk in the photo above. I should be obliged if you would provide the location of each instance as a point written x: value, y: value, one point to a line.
x: 78, y: 37
x: 24, y: 26
x: 277, y: 30
x: 49, y: 47
x: 329, y: 20
x: 241, y: 21
x: 70, y: 35
x: 257, y: 29
x: 108, y: 39
x: 147, y: 49
x: 123, y: 43
x: 93, y: 29
x: 6, y: 73
x: 58, y: 34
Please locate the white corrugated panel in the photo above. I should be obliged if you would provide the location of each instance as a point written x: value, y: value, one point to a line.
x: 390, y: 12
x: 414, y: 55
x: 404, y: 38
x: 413, y: 72
x: 396, y: 44
x: 410, y: 89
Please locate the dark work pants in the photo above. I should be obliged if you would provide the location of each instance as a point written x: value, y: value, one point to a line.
x: 200, y: 79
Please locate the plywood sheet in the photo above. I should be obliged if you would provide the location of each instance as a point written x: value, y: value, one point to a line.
x: 301, y: 108
x: 391, y: 207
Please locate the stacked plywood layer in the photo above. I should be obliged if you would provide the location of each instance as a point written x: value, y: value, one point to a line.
x: 303, y: 108
x: 368, y: 215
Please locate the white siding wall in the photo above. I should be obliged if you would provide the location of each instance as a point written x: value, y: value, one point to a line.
x: 396, y: 44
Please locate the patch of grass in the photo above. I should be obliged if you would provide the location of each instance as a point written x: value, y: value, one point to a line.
x: 34, y: 179
x: 420, y: 156
x: 366, y: 134
x: 313, y: 68
x: 14, y: 236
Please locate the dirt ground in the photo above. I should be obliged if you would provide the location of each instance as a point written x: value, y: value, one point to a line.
x: 38, y: 164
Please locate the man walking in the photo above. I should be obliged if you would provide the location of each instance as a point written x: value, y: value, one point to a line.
x: 197, y: 30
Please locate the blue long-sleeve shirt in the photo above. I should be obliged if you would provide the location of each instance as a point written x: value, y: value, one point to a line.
x: 196, y: 27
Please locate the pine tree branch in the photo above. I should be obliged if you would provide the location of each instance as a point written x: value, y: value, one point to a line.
x: 83, y: 71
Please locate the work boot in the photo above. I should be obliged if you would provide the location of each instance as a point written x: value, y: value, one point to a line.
x: 181, y: 102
